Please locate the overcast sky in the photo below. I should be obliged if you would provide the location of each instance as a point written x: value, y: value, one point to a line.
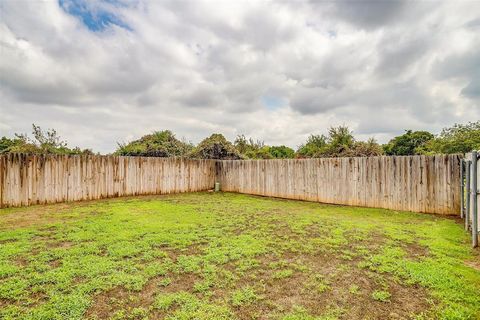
x: 102, y: 72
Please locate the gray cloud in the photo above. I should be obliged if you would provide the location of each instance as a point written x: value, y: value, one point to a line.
x: 463, y: 66
x: 370, y: 13
x: 209, y: 66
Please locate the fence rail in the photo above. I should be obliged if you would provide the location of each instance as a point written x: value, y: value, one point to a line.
x: 414, y: 183
x: 35, y: 179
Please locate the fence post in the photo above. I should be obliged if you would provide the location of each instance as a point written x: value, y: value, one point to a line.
x: 467, y: 185
x: 462, y: 188
x: 474, y: 200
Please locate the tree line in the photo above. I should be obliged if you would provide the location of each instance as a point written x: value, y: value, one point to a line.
x: 338, y: 142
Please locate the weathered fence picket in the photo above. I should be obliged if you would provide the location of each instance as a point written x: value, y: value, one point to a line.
x: 414, y: 183
x: 36, y: 179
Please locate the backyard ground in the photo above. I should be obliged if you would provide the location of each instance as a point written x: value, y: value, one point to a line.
x: 232, y: 256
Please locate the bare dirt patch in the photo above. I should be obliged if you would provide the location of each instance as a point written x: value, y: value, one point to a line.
x: 415, y: 251
x: 475, y: 264
x: 326, y: 287
x: 119, y: 298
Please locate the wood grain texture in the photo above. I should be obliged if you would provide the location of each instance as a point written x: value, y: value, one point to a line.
x: 428, y: 184
x: 38, y: 179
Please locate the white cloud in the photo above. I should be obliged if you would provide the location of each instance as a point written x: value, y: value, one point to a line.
x: 206, y: 66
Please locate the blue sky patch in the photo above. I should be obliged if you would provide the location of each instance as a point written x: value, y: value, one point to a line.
x: 272, y: 102
x: 94, y: 16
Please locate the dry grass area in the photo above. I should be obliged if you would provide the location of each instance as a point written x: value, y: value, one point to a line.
x: 231, y: 256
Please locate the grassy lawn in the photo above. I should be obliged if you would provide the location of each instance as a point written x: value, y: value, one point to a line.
x: 231, y: 256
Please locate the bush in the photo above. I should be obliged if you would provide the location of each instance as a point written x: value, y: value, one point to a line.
x: 281, y: 152
x: 158, y: 144
x: 339, y: 143
x: 244, y: 145
x: 43, y: 142
x: 314, y: 145
x: 262, y: 153
x: 215, y: 147
x: 409, y: 143
x: 251, y: 149
x: 460, y: 138
x: 366, y: 149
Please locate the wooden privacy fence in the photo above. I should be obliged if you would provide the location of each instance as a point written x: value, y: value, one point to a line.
x: 32, y: 179
x: 414, y: 183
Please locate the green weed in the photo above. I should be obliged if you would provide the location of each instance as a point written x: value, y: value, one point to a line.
x: 381, y: 295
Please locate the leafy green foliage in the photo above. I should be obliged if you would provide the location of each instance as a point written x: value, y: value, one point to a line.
x: 43, y: 142
x: 215, y: 147
x: 340, y: 139
x: 460, y: 138
x: 281, y: 152
x: 262, y: 153
x: 158, y: 144
x: 6, y: 144
x: 370, y: 148
x: 314, y: 146
x: 340, y: 142
x: 246, y: 146
x: 252, y: 149
x: 409, y: 143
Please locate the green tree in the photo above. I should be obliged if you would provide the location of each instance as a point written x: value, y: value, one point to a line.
x: 340, y: 142
x: 215, y: 147
x: 6, y: 144
x: 460, y: 138
x: 250, y: 148
x: 370, y: 148
x: 281, y: 152
x: 314, y: 145
x: 256, y: 149
x: 158, y: 144
x: 409, y: 143
x: 262, y: 153
x: 43, y: 142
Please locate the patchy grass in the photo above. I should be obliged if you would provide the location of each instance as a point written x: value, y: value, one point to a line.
x: 381, y: 295
x: 231, y: 256
x: 244, y: 296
